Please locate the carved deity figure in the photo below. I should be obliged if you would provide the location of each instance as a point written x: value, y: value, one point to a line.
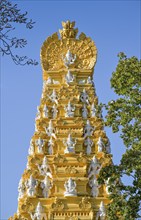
x: 101, y: 145
x: 70, y: 187
x: 40, y: 145
x: 46, y: 185
x: 45, y: 111
x: 94, y: 167
x: 93, y: 183
x: 70, y: 145
x: 21, y: 189
x: 93, y: 110
x: 108, y: 147
x: 50, y: 130
x: 84, y: 111
x: 69, y: 78
x: 89, y: 80
x: 69, y: 59
x: 88, y: 143
x: 39, y: 213
x: 49, y: 81
x: 31, y: 148
x: 53, y: 97
x: 88, y: 129
x: 44, y: 168
x: 31, y: 186
x: 38, y: 115
x: 84, y: 97
x: 50, y: 146
x: 101, y: 214
x: 54, y: 111
x: 69, y: 110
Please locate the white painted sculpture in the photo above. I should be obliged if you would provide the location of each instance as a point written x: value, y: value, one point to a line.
x: 50, y: 130
x: 94, y: 168
x: 31, y: 186
x: 21, y: 189
x: 101, y: 145
x: 70, y: 187
x: 101, y: 214
x: 84, y: 97
x: 84, y: 111
x: 53, y: 97
x: 49, y: 81
x: 54, y: 111
x: 45, y: 111
x: 40, y: 144
x: 31, y: 148
x: 88, y: 143
x: 93, y: 110
x: 44, y: 168
x: 70, y: 145
x: 89, y: 80
x: 69, y: 78
x: 93, y: 183
x: 108, y: 147
x: 69, y: 59
x: 88, y: 129
x: 69, y: 110
x: 46, y: 185
x: 39, y: 213
x: 50, y: 146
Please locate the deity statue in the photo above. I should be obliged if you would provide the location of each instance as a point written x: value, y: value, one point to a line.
x: 39, y: 213
x: 89, y: 80
x: 45, y: 111
x: 70, y: 187
x: 49, y: 81
x: 84, y: 97
x: 46, y: 185
x: 31, y: 148
x: 40, y: 145
x: 50, y: 146
x: 21, y: 189
x: 93, y: 183
x: 84, y: 111
x: 53, y: 97
x: 50, y: 130
x: 69, y: 110
x: 108, y: 147
x: 94, y: 167
x: 101, y: 145
x: 69, y: 77
x: 88, y: 143
x: 93, y: 110
x: 88, y: 129
x: 44, y: 168
x: 31, y: 186
x: 54, y: 111
x: 69, y: 59
x: 38, y: 115
x: 101, y: 214
x: 70, y: 145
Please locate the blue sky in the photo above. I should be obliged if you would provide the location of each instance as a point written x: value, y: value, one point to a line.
x: 113, y: 25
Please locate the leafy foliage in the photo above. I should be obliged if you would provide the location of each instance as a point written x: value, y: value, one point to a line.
x: 10, y: 15
x: 124, y: 116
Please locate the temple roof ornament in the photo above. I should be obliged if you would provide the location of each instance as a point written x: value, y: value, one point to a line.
x: 68, y: 30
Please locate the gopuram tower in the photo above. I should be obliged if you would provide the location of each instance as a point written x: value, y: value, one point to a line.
x: 69, y: 145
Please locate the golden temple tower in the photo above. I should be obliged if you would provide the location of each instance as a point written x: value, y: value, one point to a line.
x: 69, y: 146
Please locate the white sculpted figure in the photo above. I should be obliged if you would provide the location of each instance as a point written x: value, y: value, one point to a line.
x: 108, y: 147
x: 93, y: 183
x: 70, y: 187
x: 94, y: 168
x: 69, y: 59
x: 70, y: 145
x: 49, y: 81
x: 50, y: 130
x: 45, y: 111
x: 53, y: 97
x: 84, y: 97
x: 88, y: 143
x: 54, y: 111
x: 21, y: 189
x: 40, y: 144
x: 101, y: 214
x: 50, y: 146
x: 89, y: 80
x: 69, y: 110
x: 93, y: 110
x: 45, y: 168
x: 39, y: 213
x: 31, y: 148
x: 38, y: 115
x: 69, y: 77
x: 46, y: 185
x: 101, y: 145
x: 84, y: 111
x: 31, y: 186
x: 88, y: 129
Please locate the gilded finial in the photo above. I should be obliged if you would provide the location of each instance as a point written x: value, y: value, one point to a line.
x: 68, y: 30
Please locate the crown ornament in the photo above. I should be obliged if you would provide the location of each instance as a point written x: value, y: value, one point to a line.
x: 68, y: 30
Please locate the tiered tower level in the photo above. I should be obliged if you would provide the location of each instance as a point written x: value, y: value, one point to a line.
x: 69, y: 146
